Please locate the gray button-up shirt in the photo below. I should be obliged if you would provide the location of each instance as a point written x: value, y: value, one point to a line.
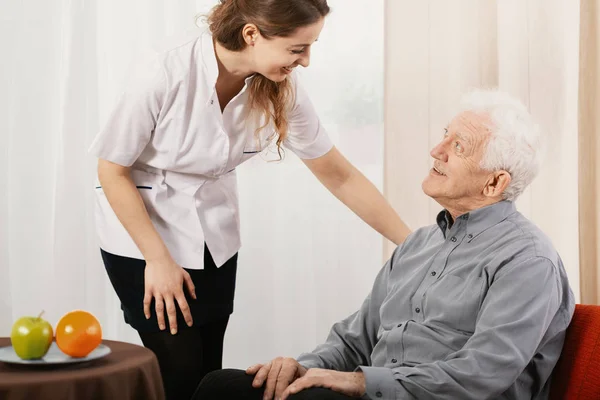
x: 476, y: 309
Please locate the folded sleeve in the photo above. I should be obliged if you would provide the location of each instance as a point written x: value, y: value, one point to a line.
x: 307, y: 137
x: 132, y: 120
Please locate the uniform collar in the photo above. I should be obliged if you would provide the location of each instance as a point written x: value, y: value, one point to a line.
x: 209, y: 58
x: 479, y: 220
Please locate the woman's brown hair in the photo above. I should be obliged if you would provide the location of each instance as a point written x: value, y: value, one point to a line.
x: 272, y: 18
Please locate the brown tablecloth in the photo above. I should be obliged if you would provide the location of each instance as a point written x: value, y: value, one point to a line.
x: 129, y: 372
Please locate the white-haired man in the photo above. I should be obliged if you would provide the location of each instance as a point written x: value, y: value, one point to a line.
x: 473, y: 307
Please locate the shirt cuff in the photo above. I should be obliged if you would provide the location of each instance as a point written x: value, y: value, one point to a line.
x: 379, y: 382
x: 308, y: 361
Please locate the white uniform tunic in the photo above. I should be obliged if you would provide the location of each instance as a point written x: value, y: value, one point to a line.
x: 168, y: 127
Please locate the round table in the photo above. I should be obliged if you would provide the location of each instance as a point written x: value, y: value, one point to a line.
x: 128, y: 372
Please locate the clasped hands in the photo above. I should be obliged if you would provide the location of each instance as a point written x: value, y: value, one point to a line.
x: 283, y: 377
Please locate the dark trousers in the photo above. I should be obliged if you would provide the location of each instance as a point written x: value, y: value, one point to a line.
x: 236, y: 384
x: 184, y: 358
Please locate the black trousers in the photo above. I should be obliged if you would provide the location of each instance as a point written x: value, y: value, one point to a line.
x: 236, y: 384
x: 187, y: 356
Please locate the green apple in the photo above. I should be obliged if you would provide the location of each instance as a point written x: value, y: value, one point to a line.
x: 31, y: 337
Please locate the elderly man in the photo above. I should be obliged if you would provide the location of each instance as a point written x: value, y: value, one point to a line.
x: 473, y: 307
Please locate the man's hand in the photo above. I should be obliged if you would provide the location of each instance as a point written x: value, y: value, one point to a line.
x: 349, y: 383
x: 278, y: 374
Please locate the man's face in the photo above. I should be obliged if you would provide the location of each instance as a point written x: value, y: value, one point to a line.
x: 456, y: 179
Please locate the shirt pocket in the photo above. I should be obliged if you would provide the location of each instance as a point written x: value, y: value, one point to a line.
x: 454, y: 302
x: 257, y: 144
x: 253, y: 146
x: 148, y: 185
x: 112, y: 234
x: 145, y: 182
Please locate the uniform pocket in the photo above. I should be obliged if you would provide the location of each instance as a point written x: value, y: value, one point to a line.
x: 257, y: 144
x: 147, y: 185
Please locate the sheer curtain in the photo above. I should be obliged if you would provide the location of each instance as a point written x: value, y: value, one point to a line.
x: 436, y: 50
x: 306, y: 260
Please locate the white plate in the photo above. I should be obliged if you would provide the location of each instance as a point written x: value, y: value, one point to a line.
x: 53, y: 356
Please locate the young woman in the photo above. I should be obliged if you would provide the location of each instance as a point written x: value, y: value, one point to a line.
x: 167, y: 212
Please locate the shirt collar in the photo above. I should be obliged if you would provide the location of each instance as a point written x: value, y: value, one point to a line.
x: 209, y: 58
x: 480, y: 219
x: 443, y: 221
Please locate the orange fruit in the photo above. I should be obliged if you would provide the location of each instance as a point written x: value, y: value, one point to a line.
x: 78, y: 333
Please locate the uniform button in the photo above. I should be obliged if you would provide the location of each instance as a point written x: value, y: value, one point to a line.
x: 453, y: 239
x: 470, y: 236
x: 399, y: 325
x: 212, y: 102
x: 417, y: 310
x: 394, y: 361
x: 433, y: 273
x: 379, y: 394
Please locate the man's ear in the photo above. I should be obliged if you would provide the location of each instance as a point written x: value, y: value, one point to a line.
x: 497, y: 184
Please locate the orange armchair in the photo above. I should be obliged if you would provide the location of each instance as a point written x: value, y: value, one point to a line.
x: 577, y: 373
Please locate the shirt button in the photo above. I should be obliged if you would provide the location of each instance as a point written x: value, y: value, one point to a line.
x: 433, y: 273
x: 417, y: 310
x: 394, y: 361
x: 453, y: 239
x: 399, y: 325
x: 379, y: 394
x: 212, y: 102
x: 470, y: 236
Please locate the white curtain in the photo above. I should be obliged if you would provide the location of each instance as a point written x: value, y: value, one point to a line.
x: 438, y: 49
x: 306, y: 260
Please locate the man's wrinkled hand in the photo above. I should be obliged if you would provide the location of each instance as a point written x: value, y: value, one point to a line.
x: 278, y: 374
x: 349, y: 383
